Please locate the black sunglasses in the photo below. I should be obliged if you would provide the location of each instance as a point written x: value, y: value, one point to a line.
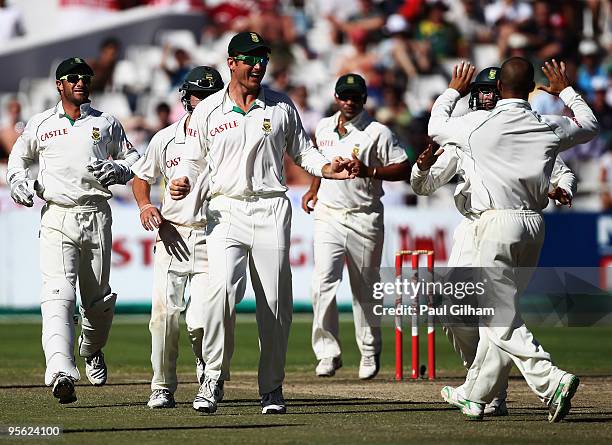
x: 74, y: 78
x: 355, y: 97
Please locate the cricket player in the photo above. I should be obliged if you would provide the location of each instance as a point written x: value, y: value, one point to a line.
x: 243, y: 131
x: 81, y: 152
x: 512, y: 150
x: 180, y: 249
x: 432, y: 171
x: 349, y: 225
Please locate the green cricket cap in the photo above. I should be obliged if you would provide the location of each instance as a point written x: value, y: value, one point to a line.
x: 351, y: 82
x: 245, y: 42
x: 74, y: 65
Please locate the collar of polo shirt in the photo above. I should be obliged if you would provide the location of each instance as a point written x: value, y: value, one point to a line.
x: 229, y: 105
x: 358, y: 121
x: 514, y: 103
x: 85, y: 109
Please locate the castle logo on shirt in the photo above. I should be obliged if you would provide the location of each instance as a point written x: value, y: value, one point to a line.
x: 95, y: 135
x: 267, y: 127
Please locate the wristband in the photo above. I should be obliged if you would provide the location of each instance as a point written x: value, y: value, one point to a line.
x: 145, y: 207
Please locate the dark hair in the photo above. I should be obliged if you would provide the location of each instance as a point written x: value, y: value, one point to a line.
x: 517, y: 74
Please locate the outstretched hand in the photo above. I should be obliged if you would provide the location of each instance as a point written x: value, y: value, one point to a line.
x: 429, y: 156
x: 462, y: 77
x: 557, y: 77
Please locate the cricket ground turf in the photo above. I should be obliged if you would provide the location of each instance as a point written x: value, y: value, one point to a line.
x: 338, y: 410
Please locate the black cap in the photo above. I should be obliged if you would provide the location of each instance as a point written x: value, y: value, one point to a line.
x: 245, y: 42
x: 351, y: 82
x: 202, y: 79
x: 74, y: 65
x: 488, y: 76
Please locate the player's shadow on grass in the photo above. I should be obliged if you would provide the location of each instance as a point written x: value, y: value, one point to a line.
x: 177, y: 428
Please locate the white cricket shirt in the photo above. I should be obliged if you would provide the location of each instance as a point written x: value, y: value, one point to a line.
x: 373, y: 143
x: 244, y: 151
x: 451, y: 163
x: 511, y: 150
x: 64, y: 148
x: 162, y: 157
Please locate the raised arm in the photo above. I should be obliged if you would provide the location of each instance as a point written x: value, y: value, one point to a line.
x: 572, y: 130
x: 443, y: 128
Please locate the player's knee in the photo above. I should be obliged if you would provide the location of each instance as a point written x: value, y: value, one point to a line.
x: 58, y: 289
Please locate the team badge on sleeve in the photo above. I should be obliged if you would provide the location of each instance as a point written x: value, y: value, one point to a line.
x: 356, y: 150
x: 95, y: 135
x: 267, y: 126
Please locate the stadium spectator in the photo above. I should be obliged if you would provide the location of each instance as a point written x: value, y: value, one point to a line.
x: 590, y: 67
x: 11, y: 128
x: 443, y: 36
x: 104, y: 64
x: 177, y: 71
x: 11, y: 22
x: 468, y: 16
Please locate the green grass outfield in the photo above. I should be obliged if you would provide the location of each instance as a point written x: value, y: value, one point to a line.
x: 337, y: 410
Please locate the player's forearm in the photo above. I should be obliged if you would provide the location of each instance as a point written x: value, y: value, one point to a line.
x: 142, y: 192
x: 315, y: 184
x: 588, y: 127
x: 393, y: 172
x: 422, y: 181
x: 439, y: 127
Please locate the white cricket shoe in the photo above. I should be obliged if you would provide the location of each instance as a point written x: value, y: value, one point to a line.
x: 273, y: 402
x: 95, y: 369
x: 161, y: 398
x: 209, y: 394
x: 472, y: 410
x: 561, y: 401
x: 369, y: 365
x: 497, y: 407
x: 63, y: 388
x: 327, y: 366
x: 200, y: 367
x: 453, y: 396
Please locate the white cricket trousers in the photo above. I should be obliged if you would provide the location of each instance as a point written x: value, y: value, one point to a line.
x: 357, y: 238
x: 253, y: 231
x: 75, y: 245
x: 464, y: 338
x: 181, y: 259
x: 508, y: 244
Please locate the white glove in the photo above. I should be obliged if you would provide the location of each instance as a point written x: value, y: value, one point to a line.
x: 20, y: 192
x: 109, y: 172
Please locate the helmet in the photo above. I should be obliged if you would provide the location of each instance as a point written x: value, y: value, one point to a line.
x: 203, y: 80
x: 486, y: 78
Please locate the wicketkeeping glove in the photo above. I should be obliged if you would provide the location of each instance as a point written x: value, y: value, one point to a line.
x: 21, y: 194
x: 109, y: 172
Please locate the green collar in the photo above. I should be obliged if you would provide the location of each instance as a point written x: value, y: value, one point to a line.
x: 70, y: 119
x: 239, y: 110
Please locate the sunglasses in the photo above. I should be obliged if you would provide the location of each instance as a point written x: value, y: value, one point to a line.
x: 350, y: 96
x: 253, y: 60
x: 74, y: 78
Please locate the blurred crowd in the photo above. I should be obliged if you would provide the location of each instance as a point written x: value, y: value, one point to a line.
x: 405, y: 49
